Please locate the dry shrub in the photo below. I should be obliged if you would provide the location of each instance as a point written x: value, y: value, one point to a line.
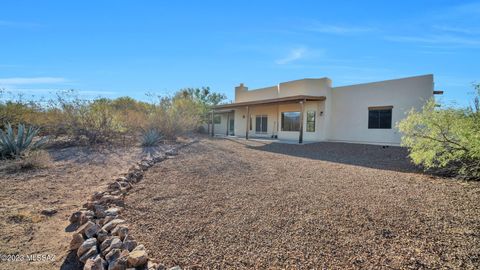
x: 25, y: 217
x: 39, y: 159
x: 106, y: 120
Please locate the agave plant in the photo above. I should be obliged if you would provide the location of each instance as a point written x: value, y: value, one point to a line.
x: 151, y: 137
x: 15, y: 145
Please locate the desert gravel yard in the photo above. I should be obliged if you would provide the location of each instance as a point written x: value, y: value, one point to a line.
x: 236, y: 204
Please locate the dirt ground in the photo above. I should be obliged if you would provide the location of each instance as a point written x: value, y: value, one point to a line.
x: 230, y: 205
x: 74, y: 174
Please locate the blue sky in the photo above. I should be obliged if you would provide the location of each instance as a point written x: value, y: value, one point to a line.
x: 116, y: 48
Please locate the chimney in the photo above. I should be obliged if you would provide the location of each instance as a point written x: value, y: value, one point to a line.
x: 239, y: 90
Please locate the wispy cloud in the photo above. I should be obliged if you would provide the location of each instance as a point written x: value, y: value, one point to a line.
x: 451, y: 40
x: 301, y: 53
x: 31, y: 80
x: 457, y: 29
x: 338, y: 29
x: 294, y: 55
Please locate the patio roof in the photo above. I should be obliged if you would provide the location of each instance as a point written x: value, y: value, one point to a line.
x: 271, y: 101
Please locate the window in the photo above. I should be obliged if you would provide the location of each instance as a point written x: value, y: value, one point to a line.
x: 290, y: 121
x: 261, y: 123
x: 250, y: 123
x: 217, y: 119
x: 311, y: 121
x: 380, y: 117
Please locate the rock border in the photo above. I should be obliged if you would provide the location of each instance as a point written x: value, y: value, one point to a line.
x: 102, y: 240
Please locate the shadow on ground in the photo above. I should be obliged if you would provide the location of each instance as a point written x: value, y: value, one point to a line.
x: 392, y: 158
x: 71, y: 262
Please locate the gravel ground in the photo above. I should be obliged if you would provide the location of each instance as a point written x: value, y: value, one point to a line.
x: 226, y: 204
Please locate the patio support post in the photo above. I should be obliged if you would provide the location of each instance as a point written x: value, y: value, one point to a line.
x: 248, y: 123
x: 213, y: 124
x: 302, y: 109
x: 228, y: 122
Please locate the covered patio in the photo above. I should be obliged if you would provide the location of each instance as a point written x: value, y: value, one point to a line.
x: 298, y: 101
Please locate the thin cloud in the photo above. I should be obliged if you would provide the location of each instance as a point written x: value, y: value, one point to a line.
x: 294, y: 55
x: 438, y: 40
x: 31, y: 80
x: 339, y: 30
x: 457, y: 30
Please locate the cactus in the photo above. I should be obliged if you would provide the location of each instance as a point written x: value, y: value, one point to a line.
x: 15, y: 145
x: 151, y: 137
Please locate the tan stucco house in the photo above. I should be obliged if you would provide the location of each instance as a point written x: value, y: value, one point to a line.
x: 311, y: 110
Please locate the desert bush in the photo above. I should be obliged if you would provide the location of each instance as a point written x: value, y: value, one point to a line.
x: 14, y: 145
x: 38, y: 159
x: 151, y: 137
x: 95, y: 120
x: 101, y: 120
x: 445, y: 140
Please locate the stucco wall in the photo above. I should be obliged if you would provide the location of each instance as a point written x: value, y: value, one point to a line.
x: 349, y: 108
x: 242, y: 94
x: 311, y: 87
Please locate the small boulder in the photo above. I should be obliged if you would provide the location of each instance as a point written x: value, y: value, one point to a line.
x: 102, y: 235
x: 116, y: 243
x: 112, y: 211
x: 106, y: 243
x: 137, y: 258
x: 77, y: 241
x: 86, y: 246
x: 120, y: 231
x: 99, y: 211
x: 88, y: 254
x: 129, y: 244
x: 97, y: 195
x: 92, y: 230
x: 113, y: 255
x: 119, y: 263
x: 175, y: 268
x: 112, y: 224
x: 95, y: 263
x: 87, y: 226
x: 75, y: 217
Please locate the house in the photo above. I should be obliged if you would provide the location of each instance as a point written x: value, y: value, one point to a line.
x: 312, y: 110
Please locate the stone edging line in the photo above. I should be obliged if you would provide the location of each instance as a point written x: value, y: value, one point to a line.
x: 102, y: 240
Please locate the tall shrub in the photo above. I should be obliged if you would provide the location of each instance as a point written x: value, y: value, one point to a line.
x: 445, y: 140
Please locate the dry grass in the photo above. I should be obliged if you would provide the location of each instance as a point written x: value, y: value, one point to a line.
x: 225, y: 205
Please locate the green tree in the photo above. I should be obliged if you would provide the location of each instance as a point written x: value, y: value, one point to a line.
x: 445, y: 140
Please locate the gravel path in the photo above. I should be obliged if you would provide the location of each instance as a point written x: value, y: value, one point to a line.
x: 225, y: 204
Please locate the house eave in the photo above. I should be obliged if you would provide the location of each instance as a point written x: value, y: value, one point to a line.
x: 290, y: 99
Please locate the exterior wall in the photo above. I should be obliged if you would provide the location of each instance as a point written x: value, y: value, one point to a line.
x: 308, y: 87
x: 311, y: 87
x: 342, y: 116
x: 349, y: 108
x: 274, y: 113
x: 243, y: 94
x: 221, y: 129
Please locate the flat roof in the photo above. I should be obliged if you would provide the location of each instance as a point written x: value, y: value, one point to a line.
x: 271, y: 101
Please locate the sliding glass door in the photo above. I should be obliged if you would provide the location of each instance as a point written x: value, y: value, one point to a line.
x: 261, y: 122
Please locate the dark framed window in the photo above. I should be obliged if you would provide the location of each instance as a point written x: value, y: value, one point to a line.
x: 217, y: 119
x: 380, y: 117
x: 311, y: 121
x: 251, y: 128
x: 261, y: 122
x: 290, y: 121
